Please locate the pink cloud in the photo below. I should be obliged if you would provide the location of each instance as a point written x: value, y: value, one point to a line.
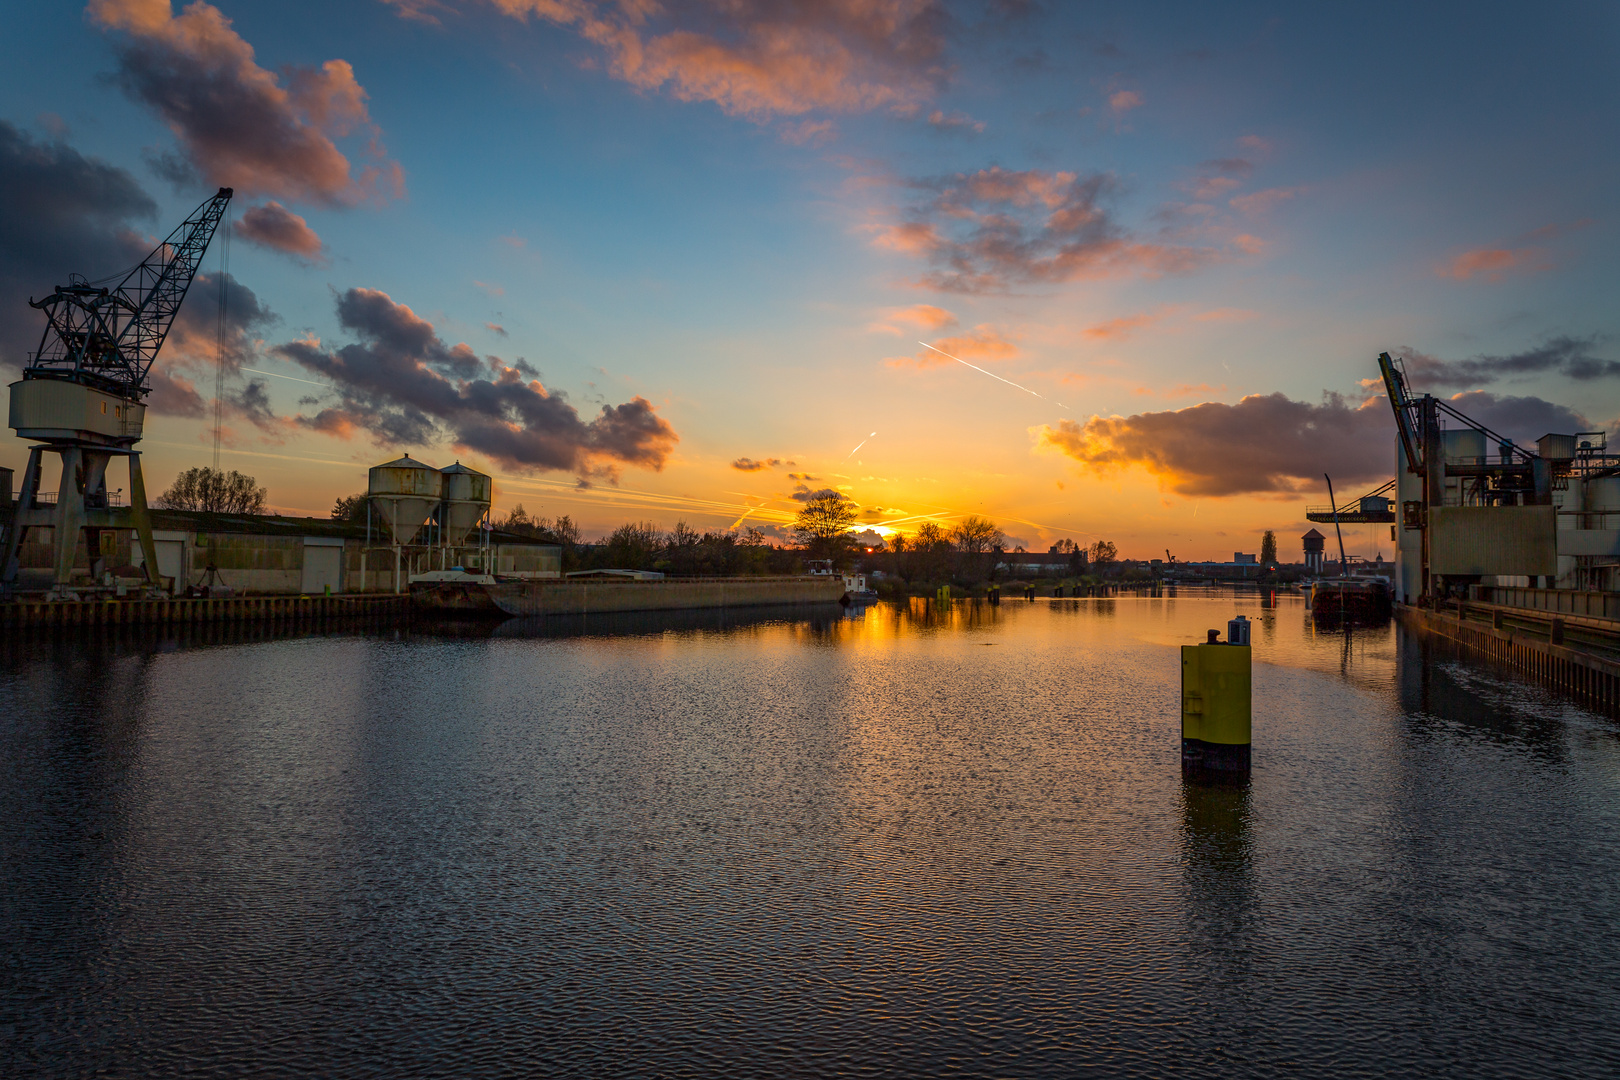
x: 1493, y: 264
x: 1123, y: 101
x: 918, y: 318
x: 240, y: 125
x: 1261, y: 202
x: 1120, y: 328
x: 757, y: 58
x: 982, y: 343
x: 274, y: 226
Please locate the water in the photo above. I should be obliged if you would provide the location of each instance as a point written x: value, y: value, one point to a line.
x: 765, y: 845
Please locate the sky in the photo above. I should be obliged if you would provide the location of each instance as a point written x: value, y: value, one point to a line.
x: 1094, y: 271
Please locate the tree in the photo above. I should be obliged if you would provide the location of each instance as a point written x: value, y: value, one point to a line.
x: 974, y: 538
x: 350, y: 508
x: 214, y: 492
x: 1102, y: 553
x: 823, y: 525
x: 633, y: 546
x: 518, y: 521
x: 1268, y: 549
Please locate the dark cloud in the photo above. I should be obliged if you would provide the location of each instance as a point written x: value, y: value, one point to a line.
x: 996, y: 228
x: 804, y: 494
x: 404, y: 386
x: 1522, y: 419
x: 1262, y: 444
x: 747, y: 464
x: 240, y: 125
x: 62, y: 212
x: 173, y: 394
x: 275, y: 227
x: 1562, y: 355
x: 1273, y: 444
x: 194, y: 340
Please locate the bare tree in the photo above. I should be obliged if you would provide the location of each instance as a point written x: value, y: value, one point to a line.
x: 214, y: 492
x: 822, y: 527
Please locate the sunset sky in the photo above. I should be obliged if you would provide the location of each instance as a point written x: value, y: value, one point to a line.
x: 678, y: 260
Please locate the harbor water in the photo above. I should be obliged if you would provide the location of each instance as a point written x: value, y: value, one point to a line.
x: 908, y: 840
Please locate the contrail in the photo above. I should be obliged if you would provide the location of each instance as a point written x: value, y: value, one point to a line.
x: 289, y: 378
x: 993, y: 375
x: 858, y: 445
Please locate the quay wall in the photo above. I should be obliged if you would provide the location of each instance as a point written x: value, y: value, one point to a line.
x: 564, y: 597
x: 36, y: 614
x: 1575, y: 655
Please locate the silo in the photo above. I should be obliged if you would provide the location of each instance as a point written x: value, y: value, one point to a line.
x: 466, y: 500
x: 404, y: 493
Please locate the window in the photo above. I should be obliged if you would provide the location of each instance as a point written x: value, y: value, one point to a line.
x: 103, y: 408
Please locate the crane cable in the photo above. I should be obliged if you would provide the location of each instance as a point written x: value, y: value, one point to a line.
x: 219, y: 372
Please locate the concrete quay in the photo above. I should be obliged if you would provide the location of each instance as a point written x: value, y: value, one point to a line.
x: 1575, y: 655
x: 31, y: 614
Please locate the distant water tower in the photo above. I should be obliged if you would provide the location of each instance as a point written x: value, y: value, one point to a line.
x: 1315, y: 543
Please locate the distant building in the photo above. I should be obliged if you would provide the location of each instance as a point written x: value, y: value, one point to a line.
x: 1315, y: 544
x: 1239, y: 557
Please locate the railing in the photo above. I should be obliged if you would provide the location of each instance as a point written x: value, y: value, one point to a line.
x: 48, y: 498
x: 1592, y: 604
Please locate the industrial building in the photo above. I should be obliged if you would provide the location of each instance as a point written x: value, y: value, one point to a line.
x: 1476, y: 509
x: 227, y: 554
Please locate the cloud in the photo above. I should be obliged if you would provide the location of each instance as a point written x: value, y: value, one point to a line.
x: 954, y: 122
x: 983, y: 342
x: 1493, y: 264
x: 746, y: 464
x: 802, y: 477
x: 1564, y: 355
x: 495, y: 328
x: 804, y: 494
x: 918, y: 318
x: 493, y: 290
x: 404, y: 386
x: 240, y: 125
x: 194, y: 338
x: 274, y: 226
x: 1261, y: 444
x: 1121, y: 328
x: 174, y: 395
x: 758, y: 59
x: 1523, y: 419
x: 64, y: 213
x: 989, y: 230
x: 1261, y: 202
x: 809, y: 132
x: 1123, y: 101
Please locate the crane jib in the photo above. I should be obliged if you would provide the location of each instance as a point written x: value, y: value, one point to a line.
x: 108, y: 337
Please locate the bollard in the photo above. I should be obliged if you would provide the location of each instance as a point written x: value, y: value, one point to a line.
x: 1216, y: 720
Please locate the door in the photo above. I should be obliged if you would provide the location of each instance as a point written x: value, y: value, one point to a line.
x: 323, y: 570
x: 171, y: 556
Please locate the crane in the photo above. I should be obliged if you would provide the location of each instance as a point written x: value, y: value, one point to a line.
x: 81, y: 397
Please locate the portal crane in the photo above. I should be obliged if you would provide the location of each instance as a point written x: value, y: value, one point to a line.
x: 81, y: 397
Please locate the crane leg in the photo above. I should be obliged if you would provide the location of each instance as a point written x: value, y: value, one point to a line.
x: 69, y: 516
x: 15, y: 534
x: 143, y: 519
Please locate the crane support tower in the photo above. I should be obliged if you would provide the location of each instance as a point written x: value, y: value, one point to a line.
x: 81, y: 398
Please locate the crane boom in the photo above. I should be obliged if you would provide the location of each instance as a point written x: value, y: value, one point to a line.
x: 108, y: 338
x: 1406, y: 411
